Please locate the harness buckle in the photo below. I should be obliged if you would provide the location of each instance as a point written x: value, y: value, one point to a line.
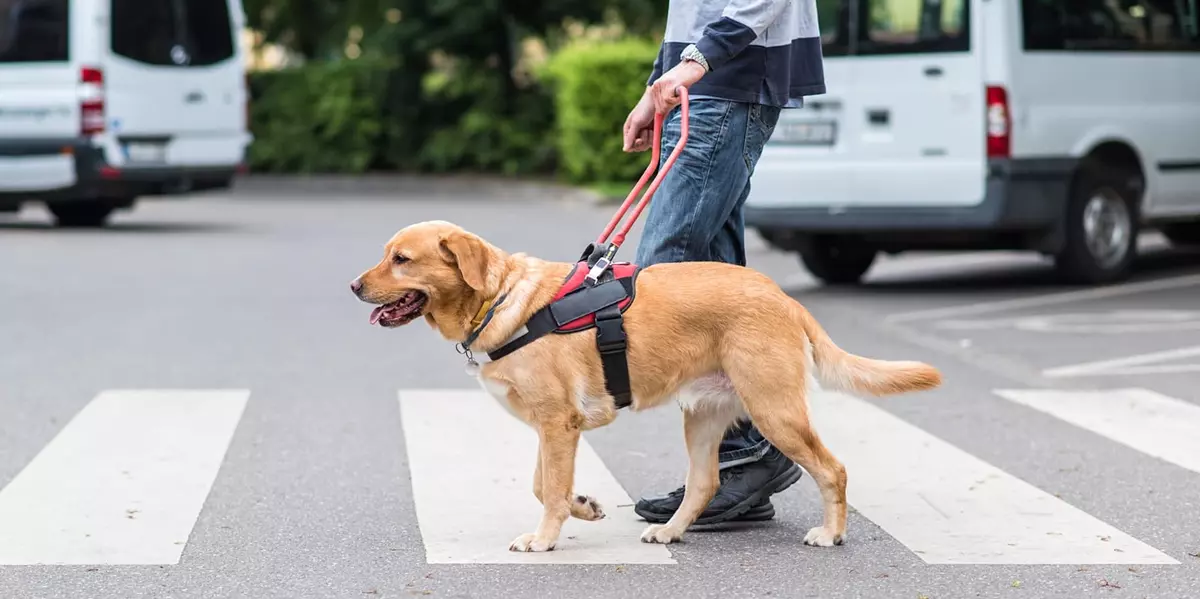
x: 594, y: 274
x: 610, y: 337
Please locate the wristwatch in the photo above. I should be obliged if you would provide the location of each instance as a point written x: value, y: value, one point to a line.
x: 693, y: 54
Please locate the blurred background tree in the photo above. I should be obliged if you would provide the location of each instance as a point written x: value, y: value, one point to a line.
x: 452, y: 85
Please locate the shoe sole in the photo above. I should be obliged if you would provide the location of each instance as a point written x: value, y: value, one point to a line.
x: 747, y: 509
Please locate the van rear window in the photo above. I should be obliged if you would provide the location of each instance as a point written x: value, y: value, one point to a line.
x: 34, y: 31
x: 894, y: 26
x: 913, y: 26
x: 177, y: 33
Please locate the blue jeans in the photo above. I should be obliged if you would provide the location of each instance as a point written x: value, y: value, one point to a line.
x: 696, y: 214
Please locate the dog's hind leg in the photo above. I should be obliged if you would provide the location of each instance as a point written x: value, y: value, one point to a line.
x: 773, y: 387
x: 703, y: 427
x: 557, y: 441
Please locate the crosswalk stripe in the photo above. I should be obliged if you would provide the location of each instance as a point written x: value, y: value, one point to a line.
x: 1152, y: 423
x: 123, y: 482
x: 472, y: 479
x: 950, y: 507
x: 1129, y: 365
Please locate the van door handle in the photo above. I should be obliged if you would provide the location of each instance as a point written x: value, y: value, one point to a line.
x: 933, y: 71
x: 194, y: 98
x: 878, y: 117
x: 823, y: 104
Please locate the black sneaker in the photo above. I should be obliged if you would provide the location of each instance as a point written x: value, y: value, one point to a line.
x: 744, y: 493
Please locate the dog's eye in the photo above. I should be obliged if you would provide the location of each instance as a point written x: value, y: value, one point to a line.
x: 399, y: 259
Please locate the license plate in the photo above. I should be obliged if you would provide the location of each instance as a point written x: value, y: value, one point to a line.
x: 806, y: 133
x: 146, y: 152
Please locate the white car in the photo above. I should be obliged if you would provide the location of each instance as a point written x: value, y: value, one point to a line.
x: 103, y: 101
x: 1064, y: 127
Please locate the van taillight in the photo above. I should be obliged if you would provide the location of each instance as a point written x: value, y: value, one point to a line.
x: 999, y: 123
x: 91, y: 101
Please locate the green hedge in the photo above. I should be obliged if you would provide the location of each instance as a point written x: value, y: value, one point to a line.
x: 596, y: 85
x: 362, y: 115
x: 323, y: 118
x: 480, y: 126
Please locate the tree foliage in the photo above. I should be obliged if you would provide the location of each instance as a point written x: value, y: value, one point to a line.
x: 450, y: 97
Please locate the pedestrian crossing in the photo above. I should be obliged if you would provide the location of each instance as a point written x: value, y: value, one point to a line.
x: 125, y: 480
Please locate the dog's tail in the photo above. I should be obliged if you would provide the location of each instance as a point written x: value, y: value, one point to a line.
x: 839, y: 370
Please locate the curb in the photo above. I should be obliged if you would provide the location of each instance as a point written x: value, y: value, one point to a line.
x: 414, y: 185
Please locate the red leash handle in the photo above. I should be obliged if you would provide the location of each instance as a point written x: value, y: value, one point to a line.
x: 655, y: 153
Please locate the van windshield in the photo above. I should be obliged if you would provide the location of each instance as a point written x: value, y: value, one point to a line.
x: 176, y: 33
x: 33, y: 31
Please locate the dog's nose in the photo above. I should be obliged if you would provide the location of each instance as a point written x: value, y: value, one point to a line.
x: 356, y: 286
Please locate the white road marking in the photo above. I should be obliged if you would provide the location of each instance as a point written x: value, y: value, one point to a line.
x: 123, y: 482
x: 472, y: 483
x: 1046, y: 300
x: 1131, y: 365
x: 950, y: 507
x: 1152, y: 423
x: 1113, y: 322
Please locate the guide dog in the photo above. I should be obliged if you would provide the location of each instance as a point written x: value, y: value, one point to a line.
x: 724, y: 341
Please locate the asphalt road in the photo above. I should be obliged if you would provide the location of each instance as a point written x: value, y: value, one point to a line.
x: 303, y: 485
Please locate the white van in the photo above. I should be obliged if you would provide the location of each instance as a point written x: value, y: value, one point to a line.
x: 103, y: 101
x: 1058, y: 126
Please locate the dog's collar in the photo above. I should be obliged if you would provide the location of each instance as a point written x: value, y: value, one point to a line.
x: 487, y: 307
x: 480, y: 322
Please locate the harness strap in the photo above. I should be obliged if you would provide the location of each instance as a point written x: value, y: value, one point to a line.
x: 539, y: 325
x: 611, y: 341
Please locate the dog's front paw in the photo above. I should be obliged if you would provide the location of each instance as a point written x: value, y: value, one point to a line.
x: 659, y: 533
x: 530, y: 542
x: 586, y: 508
x: 822, y: 537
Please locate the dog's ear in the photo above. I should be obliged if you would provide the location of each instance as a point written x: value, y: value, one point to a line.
x: 470, y: 255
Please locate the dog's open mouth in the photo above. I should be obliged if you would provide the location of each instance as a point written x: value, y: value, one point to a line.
x: 401, y: 311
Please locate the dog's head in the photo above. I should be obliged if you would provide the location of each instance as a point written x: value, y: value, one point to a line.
x: 430, y: 269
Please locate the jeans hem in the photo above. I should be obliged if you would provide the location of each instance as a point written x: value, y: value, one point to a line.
x: 741, y: 457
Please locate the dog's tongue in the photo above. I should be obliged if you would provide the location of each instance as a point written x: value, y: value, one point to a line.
x: 376, y: 314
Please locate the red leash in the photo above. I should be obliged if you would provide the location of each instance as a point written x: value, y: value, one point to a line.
x: 604, y: 262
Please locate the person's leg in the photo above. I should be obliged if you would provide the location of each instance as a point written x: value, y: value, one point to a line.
x: 696, y: 216
x: 746, y: 444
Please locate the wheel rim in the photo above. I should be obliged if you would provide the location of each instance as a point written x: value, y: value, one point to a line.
x: 1107, y: 227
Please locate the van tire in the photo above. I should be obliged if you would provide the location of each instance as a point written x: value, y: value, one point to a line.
x: 1182, y: 234
x: 836, y: 261
x: 1106, y: 194
x: 81, y: 214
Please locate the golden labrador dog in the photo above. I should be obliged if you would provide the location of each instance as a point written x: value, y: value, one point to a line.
x: 721, y: 340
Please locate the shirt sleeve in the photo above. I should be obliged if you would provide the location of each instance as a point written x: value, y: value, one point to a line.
x: 740, y: 24
x: 657, y: 71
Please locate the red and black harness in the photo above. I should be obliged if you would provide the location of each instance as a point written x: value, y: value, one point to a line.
x: 598, y: 291
x: 579, y: 305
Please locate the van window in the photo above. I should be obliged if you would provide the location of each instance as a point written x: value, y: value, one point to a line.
x: 833, y: 16
x: 1111, y: 25
x: 172, y: 32
x: 34, y: 31
x: 913, y: 26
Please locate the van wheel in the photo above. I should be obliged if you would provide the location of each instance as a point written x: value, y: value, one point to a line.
x: 836, y: 262
x: 1182, y: 234
x: 81, y: 214
x: 1101, y: 227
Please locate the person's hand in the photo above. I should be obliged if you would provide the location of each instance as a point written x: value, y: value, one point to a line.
x: 639, y: 125
x: 663, y: 90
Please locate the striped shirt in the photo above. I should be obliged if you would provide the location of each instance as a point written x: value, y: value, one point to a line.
x: 765, y: 51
